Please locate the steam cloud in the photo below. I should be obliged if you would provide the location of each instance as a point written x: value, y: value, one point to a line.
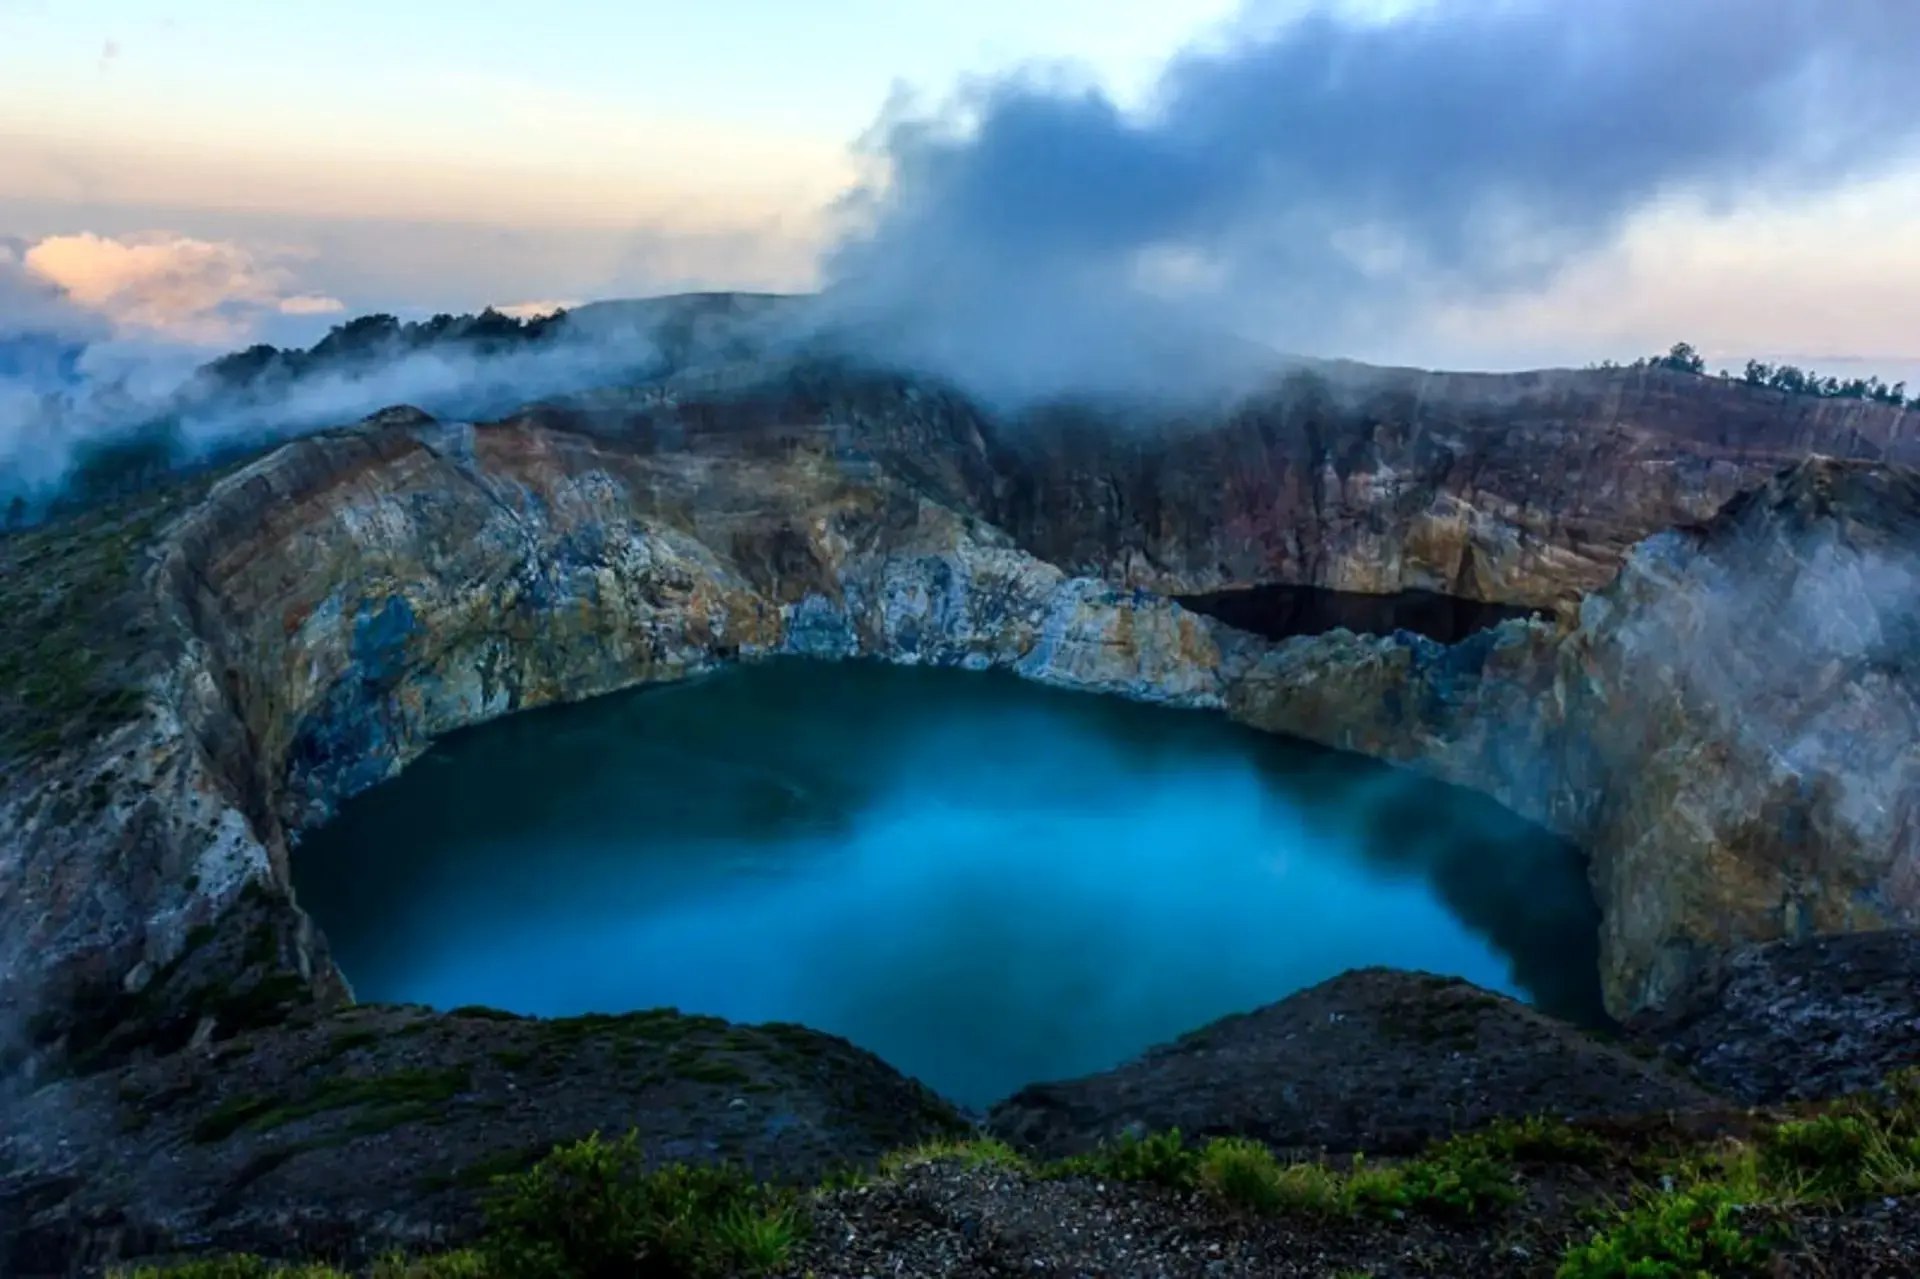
x: 1328, y: 176
x: 97, y: 332
x: 62, y: 389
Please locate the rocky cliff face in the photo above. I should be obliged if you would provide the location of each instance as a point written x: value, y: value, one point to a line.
x: 1518, y: 489
x: 320, y: 614
x: 1742, y: 710
x: 1704, y: 726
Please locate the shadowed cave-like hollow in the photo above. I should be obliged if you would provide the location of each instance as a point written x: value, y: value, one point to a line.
x: 986, y: 881
x: 1278, y: 612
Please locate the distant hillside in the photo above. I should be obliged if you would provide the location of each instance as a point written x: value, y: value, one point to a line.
x: 484, y: 366
x: 672, y: 329
x: 455, y: 366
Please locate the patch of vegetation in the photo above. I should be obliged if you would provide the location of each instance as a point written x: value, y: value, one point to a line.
x: 1541, y: 1140
x: 792, y: 1036
x: 659, y: 1025
x: 445, y: 1265
x: 398, y: 1098
x: 482, y: 1173
x: 464, y: 1264
x: 229, y: 1117
x: 263, y: 1003
x: 1463, y: 1177
x: 1369, y: 1190
x: 1162, y: 1159
x: 1701, y: 1229
x: 229, y: 1268
x: 1829, y: 1151
x: 708, y: 1070
x: 73, y: 645
x: 1853, y: 1150
x: 982, y: 1152
x: 1681, y: 357
x: 593, y: 1210
x: 348, y: 1040
x: 1720, y: 1213
x: 1245, y: 1175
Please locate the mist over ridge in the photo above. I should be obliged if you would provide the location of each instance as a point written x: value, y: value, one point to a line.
x: 1313, y: 176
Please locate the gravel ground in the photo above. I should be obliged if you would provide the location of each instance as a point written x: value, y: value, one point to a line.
x: 948, y: 1219
x: 1880, y: 1240
x: 951, y: 1220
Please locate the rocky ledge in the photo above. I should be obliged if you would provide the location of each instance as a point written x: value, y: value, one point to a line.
x: 377, y: 1127
x: 1377, y: 1060
x: 1797, y: 1020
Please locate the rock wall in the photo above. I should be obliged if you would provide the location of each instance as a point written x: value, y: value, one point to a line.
x: 1742, y: 710
x: 1514, y: 488
x: 1731, y: 728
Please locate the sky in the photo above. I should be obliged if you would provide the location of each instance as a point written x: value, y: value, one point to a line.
x: 217, y: 171
x: 448, y: 155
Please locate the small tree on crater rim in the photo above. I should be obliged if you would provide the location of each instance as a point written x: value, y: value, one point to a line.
x: 1682, y: 357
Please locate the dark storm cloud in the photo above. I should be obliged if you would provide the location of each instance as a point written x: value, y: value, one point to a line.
x: 1328, y: 175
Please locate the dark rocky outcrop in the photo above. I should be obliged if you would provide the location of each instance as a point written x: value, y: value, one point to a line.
x: 1375, y: 1060
x: 350, y: 1133
x: 1795, y: 1020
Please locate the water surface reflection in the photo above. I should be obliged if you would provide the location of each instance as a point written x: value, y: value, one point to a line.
x: 985, y: 881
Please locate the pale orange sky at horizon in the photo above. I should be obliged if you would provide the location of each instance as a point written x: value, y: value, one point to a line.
x: 225, y: 173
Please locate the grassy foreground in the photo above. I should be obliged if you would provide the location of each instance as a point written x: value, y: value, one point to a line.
x: 593, y: 1210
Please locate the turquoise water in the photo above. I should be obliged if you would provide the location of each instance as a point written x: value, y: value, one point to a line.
x: 987, y: 882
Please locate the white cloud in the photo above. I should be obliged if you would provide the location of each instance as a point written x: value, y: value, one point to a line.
x: 163, y: 284
x: 311, y: 304
x: 534, y: 310
x: 30, y: 304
